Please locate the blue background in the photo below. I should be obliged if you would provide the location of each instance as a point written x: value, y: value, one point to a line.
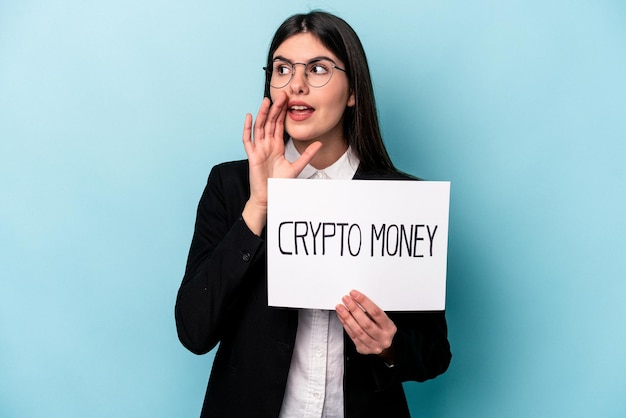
x: 112, y: 114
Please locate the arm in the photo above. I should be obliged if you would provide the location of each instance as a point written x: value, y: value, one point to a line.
x: 223, y: 257
x: 226, y: 248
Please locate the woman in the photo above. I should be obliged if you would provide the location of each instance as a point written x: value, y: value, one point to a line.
x: 318, y: 120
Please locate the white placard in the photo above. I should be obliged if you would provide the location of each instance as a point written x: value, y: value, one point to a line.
x: 387, y: 239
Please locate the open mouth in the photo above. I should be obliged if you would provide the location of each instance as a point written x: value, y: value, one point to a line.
x: 300, y: 112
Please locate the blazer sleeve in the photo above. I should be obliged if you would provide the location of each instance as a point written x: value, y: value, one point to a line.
x: 223, y: 254
x: 422, y: 350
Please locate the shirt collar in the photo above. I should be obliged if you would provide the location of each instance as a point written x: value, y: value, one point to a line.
x: 342, y: 169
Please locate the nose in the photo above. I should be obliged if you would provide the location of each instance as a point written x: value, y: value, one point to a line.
x: 298, y: 84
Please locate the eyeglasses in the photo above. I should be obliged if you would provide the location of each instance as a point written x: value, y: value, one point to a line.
x: 317, y: 72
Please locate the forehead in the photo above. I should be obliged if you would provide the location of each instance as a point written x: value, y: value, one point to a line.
x: 303, y: 47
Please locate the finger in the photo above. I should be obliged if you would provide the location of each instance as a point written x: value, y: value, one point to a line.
x: 347, y: 320
x: 363, y: 330
x: 306, y: 156
x: 247, y: 135
x: 281, y: 99
x: 343, y: 313
x: 385, y: 328
x: 375, y: 313
x: 261, y: 118
x: 362, y: 318
x: 280, y: 124
x: 356, y: 333
x: 276, y: 117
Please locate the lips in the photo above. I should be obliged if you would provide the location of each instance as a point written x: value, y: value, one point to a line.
x: 299, y: 111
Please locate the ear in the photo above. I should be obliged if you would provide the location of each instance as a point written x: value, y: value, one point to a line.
x: 351, y: 100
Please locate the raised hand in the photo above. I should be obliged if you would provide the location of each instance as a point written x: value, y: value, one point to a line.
x: 266, y: 157
x: 368, y: 326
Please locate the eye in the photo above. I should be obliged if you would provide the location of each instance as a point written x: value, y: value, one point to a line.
x: 282, y: 68
x: 319, y: 68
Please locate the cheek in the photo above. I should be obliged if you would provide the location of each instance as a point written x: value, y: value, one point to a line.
x: 343, y: 99
x: 338, y: 107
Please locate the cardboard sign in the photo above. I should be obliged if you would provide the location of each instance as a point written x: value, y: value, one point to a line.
x: 387, y: 239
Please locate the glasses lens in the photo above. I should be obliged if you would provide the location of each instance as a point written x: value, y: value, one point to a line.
x: 319, y: 72
x: 281, y: 74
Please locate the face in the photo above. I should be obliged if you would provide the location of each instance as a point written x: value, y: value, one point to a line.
x: 313, y: 113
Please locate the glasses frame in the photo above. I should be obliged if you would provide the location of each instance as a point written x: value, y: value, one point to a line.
x: 333, y: 66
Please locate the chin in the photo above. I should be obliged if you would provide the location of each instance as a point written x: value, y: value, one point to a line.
x: 300, y: 136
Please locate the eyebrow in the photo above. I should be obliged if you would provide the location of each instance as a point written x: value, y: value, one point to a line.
x: 318, y: 58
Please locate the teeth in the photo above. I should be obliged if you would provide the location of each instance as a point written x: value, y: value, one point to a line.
x: 299, y: 108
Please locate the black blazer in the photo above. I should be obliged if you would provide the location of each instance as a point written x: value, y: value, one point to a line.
x: 223, y: 299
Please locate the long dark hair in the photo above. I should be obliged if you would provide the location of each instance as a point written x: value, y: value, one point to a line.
x: 360, y: 122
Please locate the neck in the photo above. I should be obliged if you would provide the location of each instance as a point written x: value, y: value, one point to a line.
x: 330, y: 152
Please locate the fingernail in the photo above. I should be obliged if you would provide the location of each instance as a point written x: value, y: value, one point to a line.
x: 340, y: 309
x: 354, y: 294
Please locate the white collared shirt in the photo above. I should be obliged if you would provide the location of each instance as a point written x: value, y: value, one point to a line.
x: 315, y: 380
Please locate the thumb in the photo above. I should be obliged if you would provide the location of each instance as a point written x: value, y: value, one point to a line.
x: 306, y: 156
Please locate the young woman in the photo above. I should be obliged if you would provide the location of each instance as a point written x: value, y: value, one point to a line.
x: 318, y: 120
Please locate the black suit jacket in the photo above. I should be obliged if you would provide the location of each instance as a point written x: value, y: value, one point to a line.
x: 223, y: 299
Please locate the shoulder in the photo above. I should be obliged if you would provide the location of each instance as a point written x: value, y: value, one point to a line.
x: 230, y: 172
x: 231, y: 167
x: 227, y: 188
x: 228, y: 181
